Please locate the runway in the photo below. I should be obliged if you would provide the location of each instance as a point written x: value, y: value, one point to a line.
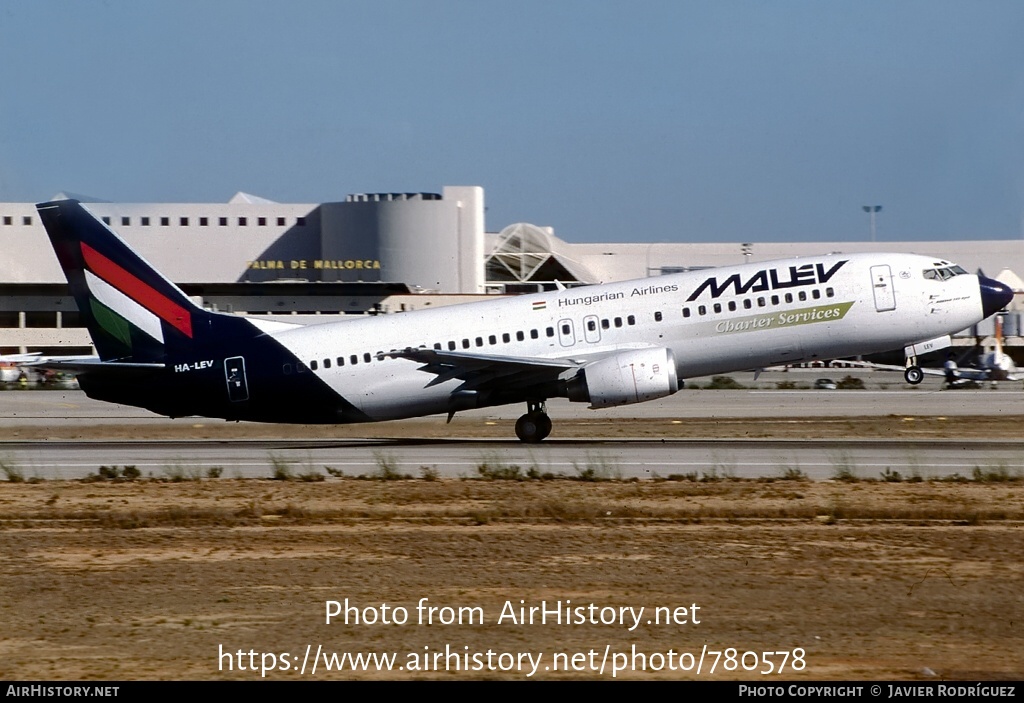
x: 447, y: 453
x: 472, y: 458
x: 884, y: 394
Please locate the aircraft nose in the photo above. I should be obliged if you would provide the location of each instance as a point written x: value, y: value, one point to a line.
x: 994, y: 295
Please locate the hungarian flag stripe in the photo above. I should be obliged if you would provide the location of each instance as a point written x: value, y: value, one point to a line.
x: 117, y: 303
x: 139, y: 291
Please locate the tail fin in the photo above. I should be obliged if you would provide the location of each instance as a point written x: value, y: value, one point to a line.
x: 133, y: 313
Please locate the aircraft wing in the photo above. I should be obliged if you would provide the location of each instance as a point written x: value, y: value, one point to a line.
x: 477, y: 371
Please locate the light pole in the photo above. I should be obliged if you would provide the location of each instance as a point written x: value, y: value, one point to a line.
x: 871, y: 210
x: 748, y: 250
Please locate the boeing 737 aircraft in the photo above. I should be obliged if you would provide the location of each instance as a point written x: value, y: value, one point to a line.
x: 605, y: 345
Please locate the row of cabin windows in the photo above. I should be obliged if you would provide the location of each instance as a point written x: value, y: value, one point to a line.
x: 182, y: 221
x: 506, y: 337
x: 761, y: 301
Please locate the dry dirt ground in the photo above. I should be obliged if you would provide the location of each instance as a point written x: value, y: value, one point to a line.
x: 161, y: 580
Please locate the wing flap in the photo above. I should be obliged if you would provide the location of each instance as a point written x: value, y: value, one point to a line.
x: 479, y: 371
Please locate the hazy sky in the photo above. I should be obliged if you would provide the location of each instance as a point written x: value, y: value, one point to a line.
x: 610, y: 121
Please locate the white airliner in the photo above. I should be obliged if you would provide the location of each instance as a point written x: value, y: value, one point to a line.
x: 605, y: 345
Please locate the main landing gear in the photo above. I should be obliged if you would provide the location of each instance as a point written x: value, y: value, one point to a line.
x: 913, y: 375
x: 535, y: 425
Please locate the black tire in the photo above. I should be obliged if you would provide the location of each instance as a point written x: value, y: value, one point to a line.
x: 533, y: 427
x: 544, y: 425
x: 913, y: 375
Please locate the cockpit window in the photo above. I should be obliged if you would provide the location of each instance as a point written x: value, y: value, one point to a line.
x: 943, y: 273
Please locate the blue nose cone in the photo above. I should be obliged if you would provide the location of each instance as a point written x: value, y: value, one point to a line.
x: 994, y: 295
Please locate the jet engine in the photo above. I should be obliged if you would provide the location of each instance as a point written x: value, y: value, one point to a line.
x: 630, y: 377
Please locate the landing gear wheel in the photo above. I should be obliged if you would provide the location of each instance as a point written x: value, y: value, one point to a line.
x: 913, y: 375
x: 533, y: 427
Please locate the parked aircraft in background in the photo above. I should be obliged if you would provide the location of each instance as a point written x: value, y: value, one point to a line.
x: 605, y: 345
x: 992, y: 366
x: 995, y: 365
x: 9, y: 372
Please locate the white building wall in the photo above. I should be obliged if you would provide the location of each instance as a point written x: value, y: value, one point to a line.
x: 185, y: 253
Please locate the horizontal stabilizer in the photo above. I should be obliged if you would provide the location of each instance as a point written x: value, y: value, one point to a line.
x: 91, y: 364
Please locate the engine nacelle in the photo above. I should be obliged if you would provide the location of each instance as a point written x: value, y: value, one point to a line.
x: 630, y: 377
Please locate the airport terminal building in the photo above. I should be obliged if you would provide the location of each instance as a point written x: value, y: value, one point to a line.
x: 378, y: 253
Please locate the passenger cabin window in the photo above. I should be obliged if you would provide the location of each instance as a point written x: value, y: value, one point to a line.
x: 353, y: 359
x: 451, y: 346
x: 340, y: 360
x: 631, y: 320
x: 506, y: 338
x: 465, y: 344
x: 479, y: 341
x: 520, y: 336
x: 702, y: 310
x: 327, y: 363
x: 366, y: 357
x: 686, y: 312
x: 534, y: 334
x: 618, y: 322
x: 550, y: 331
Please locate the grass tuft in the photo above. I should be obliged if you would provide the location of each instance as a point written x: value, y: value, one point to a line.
x: 281, y: 468
x: 12, y: 472
x: 493, y: 468
x: 724, y: 383
x: 387, y: 468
